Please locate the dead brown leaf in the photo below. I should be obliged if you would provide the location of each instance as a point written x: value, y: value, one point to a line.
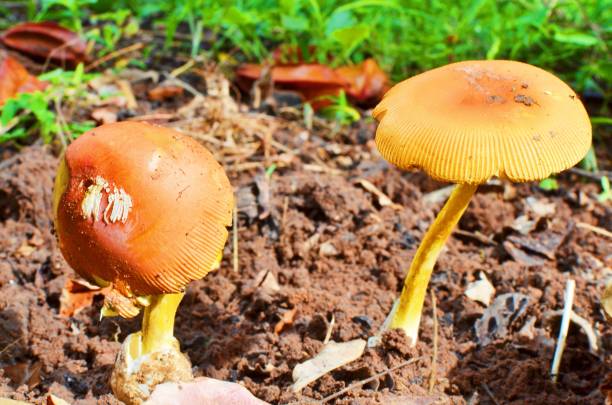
x: 165, y: 92
x: 77, y: 295
x: 15, y: 79
x: 286, y: 320
x: 46, y: 40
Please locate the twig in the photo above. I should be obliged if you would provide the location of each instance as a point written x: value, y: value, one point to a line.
x: 183, y: 68
x: 434, y: 357
x: 582, y: 323
x: 113, y: 55
x: 330, y: 328
x: 596, y: 175
x: 489, y: 393
x: 565, y: 321
x: 152, y: 117
x: 596, y: 229
x: 477, y: 236
x: 367, y: 380
x: 13, y: 343
x: 235, y: 238
x: 126, y: 89
x: 178, y: 82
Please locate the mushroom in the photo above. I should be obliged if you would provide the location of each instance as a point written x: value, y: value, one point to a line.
x: 144, y: 210
x: 465, y: 123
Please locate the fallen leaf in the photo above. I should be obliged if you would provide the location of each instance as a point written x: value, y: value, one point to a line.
x: 480, y: 290
x: 24, y: 373
x: 364, y: 83
x: 497, y: 318
x: 77, y: 295
x: 606, y: 300
x: 286, y: 320
x: 539, y: 207
x: 165, y: 92
x: 328, y: 249
x: 104, y: 115
x: 46, y: 40
x: 523, y: 225
x: 581, y: 322
x: 53, y: 400
x: 15, y: 79
x: 383, y: 199
x: 367, y: 82
x: 544, y: 243
x: 332, y: 356
x: 7, y: 401
x: 522, y: 257
x: 312, y: 81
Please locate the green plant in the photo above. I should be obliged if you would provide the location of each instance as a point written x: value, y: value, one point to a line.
x: 340, y: 109
x: 41, y: 112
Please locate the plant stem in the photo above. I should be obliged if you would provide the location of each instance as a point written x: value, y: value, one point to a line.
x: 408, y: 314
x: 158, y: 321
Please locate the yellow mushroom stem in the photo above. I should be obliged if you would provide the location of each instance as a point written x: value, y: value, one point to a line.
x: 158, y: 322
x: 408, y: 311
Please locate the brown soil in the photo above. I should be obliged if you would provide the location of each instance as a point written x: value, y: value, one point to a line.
x: 335, y: 252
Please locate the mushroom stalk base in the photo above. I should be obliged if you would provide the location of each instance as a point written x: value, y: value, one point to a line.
x: 408, y: 313
x: 158, y: 322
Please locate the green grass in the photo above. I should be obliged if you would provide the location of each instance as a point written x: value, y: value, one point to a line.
x: 571, y: 37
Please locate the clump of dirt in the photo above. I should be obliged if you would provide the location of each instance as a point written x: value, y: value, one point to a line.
x: 314, y: 245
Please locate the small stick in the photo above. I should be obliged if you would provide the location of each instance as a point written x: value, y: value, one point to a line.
x: 126, y: 89
x: 113, y: 55
x: 330, y: 328
x: 596, y: 175
x: 565, y: 321
x: 593, y: 228
x: 367, y: 380
x: 434, y: 357
x: 490, y: 394
x: 235, y: 238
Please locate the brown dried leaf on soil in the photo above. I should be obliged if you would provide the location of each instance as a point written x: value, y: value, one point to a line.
x: 46, y: 40
x: 165, y: 92
x: 364, y: 83
x: 286, y: 320
x: 15, y: 79
x: 497, y: 319
x: 53, y: 400
x: 606, y: 300
x: 77, y: 295
x: 332, y: 356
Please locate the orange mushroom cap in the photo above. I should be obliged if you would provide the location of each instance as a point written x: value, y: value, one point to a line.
x: 468, y: 121
x: 142, y: 207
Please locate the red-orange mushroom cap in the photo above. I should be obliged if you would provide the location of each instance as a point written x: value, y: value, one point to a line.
x: 468, y: 121
x: 142, y: 207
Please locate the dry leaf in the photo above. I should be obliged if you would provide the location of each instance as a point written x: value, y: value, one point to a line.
x: 77, y: 295
x: 481, y: 290
x: 165, y: 92
x: 312, y: 81
x: 367, y: 82
x: 53, y: 400
x: 7, y: 401
x: 332, y: 356
x: 606, y: 299
x: 15, y: 79
x: 497, y: 318
x: 539, y: 207
x: 286, y: 320
x: 383, y: 200
x: 46, y: 40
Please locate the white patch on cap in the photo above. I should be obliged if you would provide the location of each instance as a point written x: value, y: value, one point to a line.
x: 119, y: 203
